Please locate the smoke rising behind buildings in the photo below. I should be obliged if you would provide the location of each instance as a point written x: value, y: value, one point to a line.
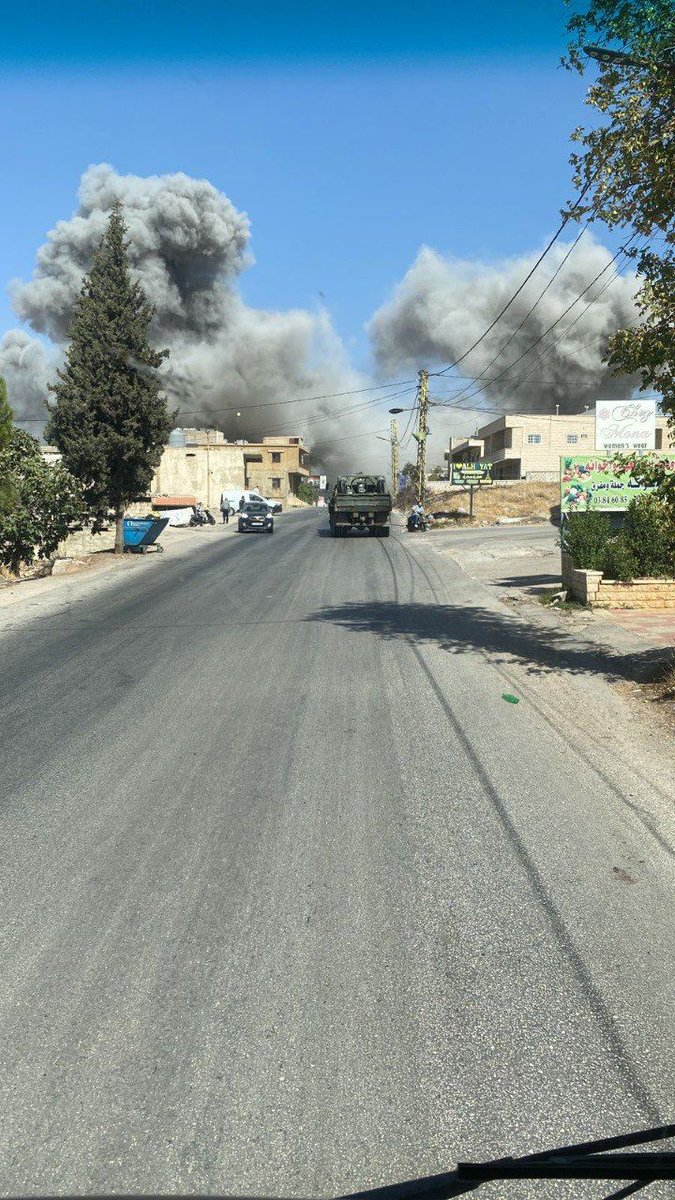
x: 189, y: 246
x: 442, y: 306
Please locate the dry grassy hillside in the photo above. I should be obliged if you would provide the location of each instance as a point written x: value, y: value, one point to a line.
x: 526, y: 500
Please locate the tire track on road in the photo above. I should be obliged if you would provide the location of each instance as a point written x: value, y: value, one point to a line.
x: 605, y: 1021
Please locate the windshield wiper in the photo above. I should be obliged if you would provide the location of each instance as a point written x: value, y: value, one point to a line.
x: 586, y: 1160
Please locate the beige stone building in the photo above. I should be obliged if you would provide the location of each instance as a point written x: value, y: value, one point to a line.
x: 206, y: 465
x: 529, y: 446
x: 200, y: 463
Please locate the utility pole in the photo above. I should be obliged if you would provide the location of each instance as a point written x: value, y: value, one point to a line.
x: 394, y: 458
x: 421, y: 435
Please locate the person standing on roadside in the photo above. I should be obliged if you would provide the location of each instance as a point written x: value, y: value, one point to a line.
x: 225, y: 509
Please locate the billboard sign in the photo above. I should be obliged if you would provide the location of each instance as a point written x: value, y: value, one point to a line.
x: 592, y: 482
x: 624, y: 425
x: 473, y: 474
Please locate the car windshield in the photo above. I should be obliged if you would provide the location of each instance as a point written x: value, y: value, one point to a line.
x: 340, y: 816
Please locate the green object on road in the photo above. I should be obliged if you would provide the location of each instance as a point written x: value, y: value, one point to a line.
x: 510, y: 699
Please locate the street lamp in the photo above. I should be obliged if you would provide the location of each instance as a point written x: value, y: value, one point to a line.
x: 603, y: 54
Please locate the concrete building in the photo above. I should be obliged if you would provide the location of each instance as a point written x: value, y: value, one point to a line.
x: 200, y: 463
x: 206, y: 465
x: 529, y: 446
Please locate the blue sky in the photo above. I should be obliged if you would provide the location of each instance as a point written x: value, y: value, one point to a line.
x: 352, y: 133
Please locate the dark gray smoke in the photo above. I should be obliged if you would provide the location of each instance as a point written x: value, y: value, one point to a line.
x: 188, y: 245
x: 443, y: 305
x: 27, y: 367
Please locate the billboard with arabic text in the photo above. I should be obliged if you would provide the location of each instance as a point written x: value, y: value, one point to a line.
x: 594, y: 481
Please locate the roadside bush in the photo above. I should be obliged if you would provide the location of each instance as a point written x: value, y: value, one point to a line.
x: 306, y: 492
x: 618, y: 561
x: 644, y: 547
x: 42, y: 503
x: 584, y: 537
x: 648, y: 535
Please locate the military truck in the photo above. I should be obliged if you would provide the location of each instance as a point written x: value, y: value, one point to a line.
x: 360, y: 502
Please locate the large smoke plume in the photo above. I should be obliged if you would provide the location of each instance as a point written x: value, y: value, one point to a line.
x: 443, y: 305
x: 188, y: 246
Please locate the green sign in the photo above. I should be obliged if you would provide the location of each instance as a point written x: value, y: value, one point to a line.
x: 592, y: 481
x: 471, y: 474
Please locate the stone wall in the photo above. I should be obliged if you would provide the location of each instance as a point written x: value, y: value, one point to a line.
x: 84, y: 542
x: 639, y: 593
x: 590, y: 587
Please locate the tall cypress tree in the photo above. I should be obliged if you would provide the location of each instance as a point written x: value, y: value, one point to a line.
x: 6, y: 416
x: 110, y: 420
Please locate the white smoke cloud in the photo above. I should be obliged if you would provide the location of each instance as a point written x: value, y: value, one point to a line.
x: 443, y: 305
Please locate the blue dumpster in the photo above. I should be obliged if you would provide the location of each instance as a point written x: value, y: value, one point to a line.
x: 141, y: 532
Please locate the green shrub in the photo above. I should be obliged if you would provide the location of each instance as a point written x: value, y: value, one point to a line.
x: 45, y: 502
x: 647, y: 534
x: 644, y: 547
x: 618, y: 561
x: 306, y: 492
x: 584, y: 537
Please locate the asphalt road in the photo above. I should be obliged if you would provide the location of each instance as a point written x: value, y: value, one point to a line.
x: 295, y: 902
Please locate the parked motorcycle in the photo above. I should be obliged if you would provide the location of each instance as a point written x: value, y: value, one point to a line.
x: 201, y: 516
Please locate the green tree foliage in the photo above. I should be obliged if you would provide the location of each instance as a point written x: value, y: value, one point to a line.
x: 6, y: 416
x: 306, y: 492
x: 626, y: 164
x: 8, y: 494
x: 110, y: 420
x: 46, y: 502
x: 643, y: 547
x: 438, y: 472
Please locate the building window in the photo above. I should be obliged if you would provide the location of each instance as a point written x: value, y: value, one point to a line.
x: 533, y: 439
x: 658, y: 443
x: 572, y: 439
x: 584, y: 437
x: 276, y: 484
x: 276, y: 456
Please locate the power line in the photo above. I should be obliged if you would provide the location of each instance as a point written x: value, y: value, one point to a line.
x: 525, y: 375
x: 541, y: 337
x: 518, y: 290
x: 529, y: 312
x: 342, y: 412
x: 298, y: 400
x: 353, y: 436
